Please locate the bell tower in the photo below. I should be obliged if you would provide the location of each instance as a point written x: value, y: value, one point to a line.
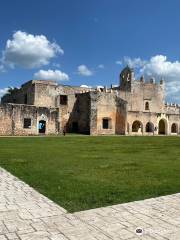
x: 126, y: 78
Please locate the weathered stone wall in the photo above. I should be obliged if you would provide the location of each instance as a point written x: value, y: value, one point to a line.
x: 144, y: 92
x: 24, y: 95
x: 79, y: 111
x: 5, y: 119
x: 65, y: 111
x: 12, y: 119
x: 45, y: 93
x: 107, y: 105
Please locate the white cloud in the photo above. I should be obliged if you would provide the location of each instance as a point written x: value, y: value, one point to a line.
x: 2, y: 69
x: 58, y: 65
x: 29, y: 51
x: 3, y: 91
x: 101, y: 66
x: 56, y: 75
x: 84, y: 71
x: 173, y: 91
x: 119, y: 62
x: 134, y: 62
x: 85, y: 86
x: 159, y: 67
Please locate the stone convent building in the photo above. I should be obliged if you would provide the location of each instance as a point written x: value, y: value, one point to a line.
x: 135, y: 107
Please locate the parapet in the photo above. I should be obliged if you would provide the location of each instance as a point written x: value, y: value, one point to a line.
x: 44, y: 82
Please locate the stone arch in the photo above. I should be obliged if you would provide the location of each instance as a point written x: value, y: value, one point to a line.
x: 137, y: 126
x: 174, y: 128
x: 150, y: 127
x: 162, y: 127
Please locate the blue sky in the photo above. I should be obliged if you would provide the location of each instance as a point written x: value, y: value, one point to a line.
x: 89, y: 42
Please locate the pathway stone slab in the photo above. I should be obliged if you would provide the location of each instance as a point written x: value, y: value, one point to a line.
x: 25, y: 214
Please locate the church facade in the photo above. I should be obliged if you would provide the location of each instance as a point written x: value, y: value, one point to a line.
x: 135, y: 107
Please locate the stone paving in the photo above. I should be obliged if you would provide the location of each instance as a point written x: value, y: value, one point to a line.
x: 27, y: 215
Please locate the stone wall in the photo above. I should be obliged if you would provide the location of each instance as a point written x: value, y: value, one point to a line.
x: 144, y: 92
x: 79, y: 117
x: 109, y: 107
x: 5, y: 119
x: 12, y: 119
x: 24, y: 95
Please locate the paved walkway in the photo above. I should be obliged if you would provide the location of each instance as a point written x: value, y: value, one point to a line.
x: 27, y: 215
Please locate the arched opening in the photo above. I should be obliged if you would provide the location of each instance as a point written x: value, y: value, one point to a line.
x: 162, y: 127
x: 137, y: 126
x: 146, y: 105
x: 174, y: 128
x: 42, y: 126
x: 149, y: 127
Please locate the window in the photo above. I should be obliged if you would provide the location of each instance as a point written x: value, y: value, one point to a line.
x: 106, y: 123
x: 63, y: 99
x: 146, y: 106
x: 25, y: 98
x: 27, y: 122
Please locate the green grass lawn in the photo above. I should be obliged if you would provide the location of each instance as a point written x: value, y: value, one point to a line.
x: 83, y: 172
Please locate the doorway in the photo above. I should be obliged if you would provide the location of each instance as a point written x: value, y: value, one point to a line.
x: 75, y: 127
x: 42, y: 127
x: 162, y: 127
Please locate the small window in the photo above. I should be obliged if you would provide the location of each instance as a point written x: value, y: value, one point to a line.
x: 27, y: 122
x: 146, y: 106
x: 63, y: 99
x: 106, y: 123
x: 25, y: 99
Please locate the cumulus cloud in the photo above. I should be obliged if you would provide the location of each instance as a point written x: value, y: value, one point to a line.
x: 159, y: 67
x: 3, y: 91
x: 119, y: 62
x: 56, y: 75
x: 101, y: 66
x: 2, y: 69
x: 84, y: 71
x: 134, y: 62
x: 85, y: 86
x: 29, y: 51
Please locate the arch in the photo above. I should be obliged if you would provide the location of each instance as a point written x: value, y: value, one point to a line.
x: 174, y: 128
x: 149, y: 127
x: 162, y: 127
x: 42, y: 127
x: 146, y: 105
x: 137, y: 126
